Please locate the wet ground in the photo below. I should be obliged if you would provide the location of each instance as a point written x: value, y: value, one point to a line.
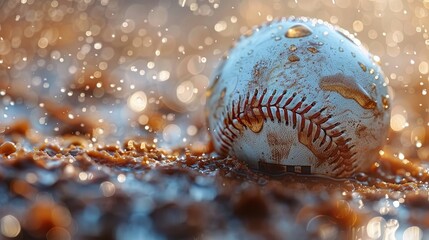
x: 68, y: 189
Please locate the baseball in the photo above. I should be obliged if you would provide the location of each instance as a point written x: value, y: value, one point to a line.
x: 298, y: 95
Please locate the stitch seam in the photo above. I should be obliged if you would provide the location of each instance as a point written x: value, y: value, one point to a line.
x: 254, y: 107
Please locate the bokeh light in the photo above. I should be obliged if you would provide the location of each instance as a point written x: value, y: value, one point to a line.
x: 10, y: 226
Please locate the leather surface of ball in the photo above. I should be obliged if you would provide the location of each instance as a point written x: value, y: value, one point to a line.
x: 302, y: 96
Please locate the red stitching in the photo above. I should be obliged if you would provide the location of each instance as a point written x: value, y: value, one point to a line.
x: 341, y: 155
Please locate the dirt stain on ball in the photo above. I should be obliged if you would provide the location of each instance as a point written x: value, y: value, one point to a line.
x: 347, y: 87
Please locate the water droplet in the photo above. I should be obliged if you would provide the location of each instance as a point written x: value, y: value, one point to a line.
x: 346, y: 35
x: 250, y: 52
x: 210, y: 89
x: 248, y: 33
x: 385, y: 102
x: 293, y: 58
x: 362, y: 66
x: 298, y: 31
x: 340, y: 49
x: 277, y: 38
x: 371, y: 71
x: 312, y: 50
x: 353, y: 54
x: 292, y: 48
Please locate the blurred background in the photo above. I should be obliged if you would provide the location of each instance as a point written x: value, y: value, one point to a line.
x: 114, y: 69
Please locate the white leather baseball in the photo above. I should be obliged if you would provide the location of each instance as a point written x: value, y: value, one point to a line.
x: 299, y: 95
